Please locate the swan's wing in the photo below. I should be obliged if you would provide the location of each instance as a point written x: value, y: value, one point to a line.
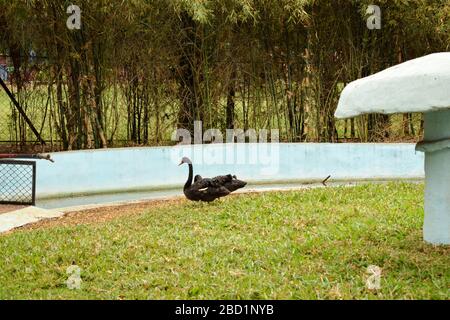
x: 202, y: 191
x: 228, y: 181
x: 222, y: 180
x: 210, y: 183
x: 220, y: 186
x: 217, y: 192
x: 235, y: 184
x: 200, y: 184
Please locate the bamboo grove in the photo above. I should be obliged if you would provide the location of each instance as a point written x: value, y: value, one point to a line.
x: 137, y: 70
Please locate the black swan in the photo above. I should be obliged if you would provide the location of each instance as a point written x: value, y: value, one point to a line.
x: 209, y: 189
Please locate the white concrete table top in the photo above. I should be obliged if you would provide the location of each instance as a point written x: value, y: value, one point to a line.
x: 418, y: 85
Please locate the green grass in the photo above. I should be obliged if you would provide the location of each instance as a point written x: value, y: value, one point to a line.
x: 314, y: 244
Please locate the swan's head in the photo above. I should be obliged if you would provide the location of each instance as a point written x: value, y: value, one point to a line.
x: 185, y: 160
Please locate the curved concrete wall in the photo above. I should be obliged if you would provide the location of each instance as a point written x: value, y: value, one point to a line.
x: 128, y: 169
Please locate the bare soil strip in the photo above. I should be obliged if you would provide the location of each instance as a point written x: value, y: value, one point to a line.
x: 102, y: 214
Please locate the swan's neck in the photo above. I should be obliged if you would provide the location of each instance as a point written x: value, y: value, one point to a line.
x: 189, y: 180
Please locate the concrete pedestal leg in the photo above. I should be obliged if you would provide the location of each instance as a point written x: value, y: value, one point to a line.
x: 436, y: 228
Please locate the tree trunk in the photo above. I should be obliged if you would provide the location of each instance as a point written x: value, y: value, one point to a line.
x: 189, y: 63
x: 230, y: 100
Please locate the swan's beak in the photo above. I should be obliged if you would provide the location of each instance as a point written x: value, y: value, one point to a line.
x: 181, y: 163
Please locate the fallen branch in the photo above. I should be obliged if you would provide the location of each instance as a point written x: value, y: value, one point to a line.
x: 324, y: 182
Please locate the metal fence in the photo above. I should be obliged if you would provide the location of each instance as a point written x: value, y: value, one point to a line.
x: 15, y: 133
x: 17, y: 182
x: 24, y: 116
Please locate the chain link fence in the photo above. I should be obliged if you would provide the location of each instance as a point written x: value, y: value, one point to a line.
x: 17, y: 182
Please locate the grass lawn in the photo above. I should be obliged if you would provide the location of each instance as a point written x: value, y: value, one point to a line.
x: 312, y: 244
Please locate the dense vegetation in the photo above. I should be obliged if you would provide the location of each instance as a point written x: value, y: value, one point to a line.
x: 138, y: 69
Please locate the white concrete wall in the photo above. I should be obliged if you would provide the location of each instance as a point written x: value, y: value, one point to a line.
x: 112, y: 170
x: 436, y: 227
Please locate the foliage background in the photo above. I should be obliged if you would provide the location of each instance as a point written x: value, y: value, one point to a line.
x: 139, y: 69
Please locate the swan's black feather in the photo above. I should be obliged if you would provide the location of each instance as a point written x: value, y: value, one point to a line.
x: 235, y: 184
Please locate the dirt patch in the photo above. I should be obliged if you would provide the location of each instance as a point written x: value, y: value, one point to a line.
x: 104, y: 214
x: 108, y: 213
x: 4, y: 208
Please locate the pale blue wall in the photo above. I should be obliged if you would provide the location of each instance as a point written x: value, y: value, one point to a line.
x: 145, y: 168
